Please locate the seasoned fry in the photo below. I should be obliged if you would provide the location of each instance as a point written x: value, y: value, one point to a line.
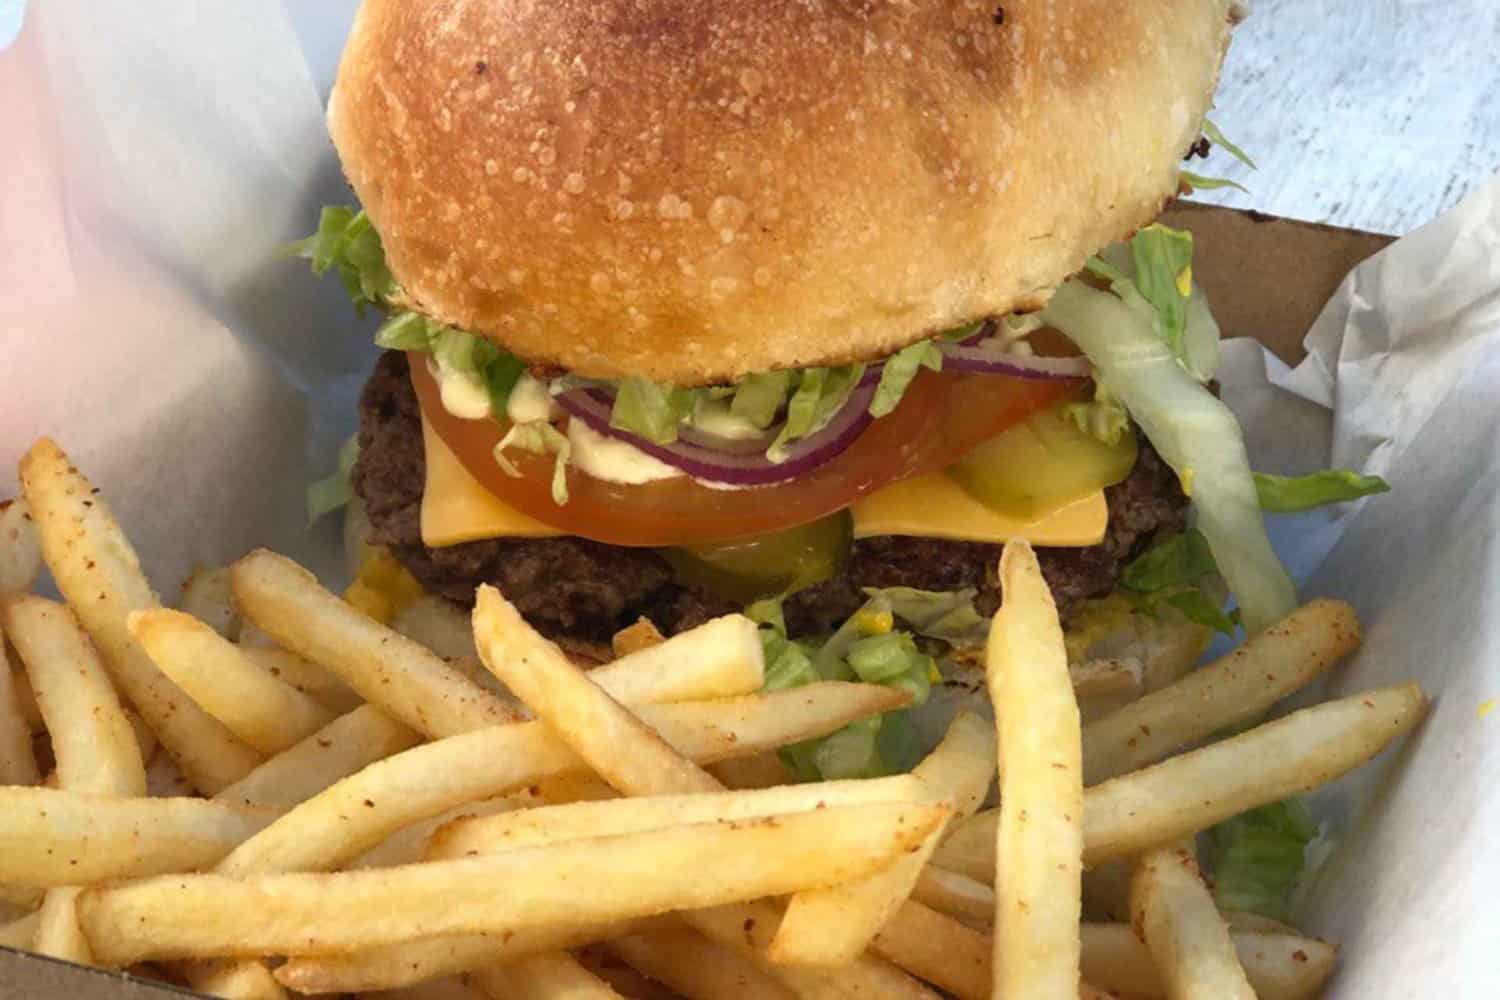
x: 208, y: 596
x: 719, y: 659
x: 426, y: 958
x: 1190, y: 793
x: 414, y: 843
x: 585, y: 881
x: 550, y: 824
x: 1106, y: 679
x: 643, y: 634
x: 360, y: 811
x: 1239, y: 686
x: 543, y: 977
x: 831, y: 926
x: 695, y: 967
x: 326, y: 688
x: 1244, y: 920
x: 164, y: 780
x: 17, y: 762
x: 1174, y: 911
x: 939, y: 949
x: 389, y: 670
x: 346, y: 745
x: 1040, y: 830
x: 266, y: 713
x: 20, y: 933
x: 92, y: 739
x: 20, y: 549
x: 232, y: 980
x: 57, y: 932
x: 1279, y: 966
x: 1271, y: 762
x: 956, y: 895
x: 761, y: 771
x: 97, y: 570
x: 51, y: 837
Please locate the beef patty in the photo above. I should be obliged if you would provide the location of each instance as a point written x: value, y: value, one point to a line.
x: 573, y: 588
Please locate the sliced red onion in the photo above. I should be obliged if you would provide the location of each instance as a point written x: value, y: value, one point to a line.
x: 989, y: 358
x: 593, y: 407
x: 755, y: 444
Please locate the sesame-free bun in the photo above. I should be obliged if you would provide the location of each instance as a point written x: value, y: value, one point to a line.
x: 693, y: 190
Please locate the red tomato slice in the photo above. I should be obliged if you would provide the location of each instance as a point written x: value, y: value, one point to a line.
x: 941, y: 418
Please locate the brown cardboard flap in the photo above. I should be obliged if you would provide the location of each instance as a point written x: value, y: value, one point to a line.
x: 1266, y: 277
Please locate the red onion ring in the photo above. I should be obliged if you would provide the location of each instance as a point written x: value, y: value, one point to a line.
x: 993, y: 360
x: 593, y: 407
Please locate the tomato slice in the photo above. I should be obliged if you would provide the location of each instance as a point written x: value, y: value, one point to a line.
x: 941, y: 418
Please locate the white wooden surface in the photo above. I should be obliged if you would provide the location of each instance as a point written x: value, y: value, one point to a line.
x: 1371, y: 114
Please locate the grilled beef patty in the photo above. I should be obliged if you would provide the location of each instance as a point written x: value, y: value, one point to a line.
x: 581, y: 590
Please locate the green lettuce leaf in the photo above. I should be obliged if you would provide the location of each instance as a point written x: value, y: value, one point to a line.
x: 1174, y: 572
x: 651, y: 409
x: 348, y: 242
x: 1202, y: 182
x: 1289, y: 494
x: 1218, y: 138
x: 540, y: 438
x: 759, y: 398
x: 1258, y: 857
x: 819, y: 394
x: 898, y: 372
x: 1104, y: 417
x: 948, y: 615
x: 334, y: 490
x: 1164, y: 275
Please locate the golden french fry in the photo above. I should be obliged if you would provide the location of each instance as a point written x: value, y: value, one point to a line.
x: 956, y: 895
x: 694, y: 966
x: 208, y: 596
x: 1172, y: 908
x: 92, y: 739
x: 1106, y: 678
x: 17, y: 762
x: 57, y: 932
x: 423, y: 959
x: 1244, y: 920
x: 50, y: 837
x: 25, y: 897
x: 20, y: 549
x: 326, y: 688
x: 231, y: 980
x: 1271, y: 762
x: 510, y: 831
x: 1279, y: 966
x: 98, y: 572
x: 1237, y: 687
x: 550, y: 976
x: 266, y: 713
x: 355, y: 814
x: 145, y: 739
x: 414, y: 843
x: 585, y: 881
x: 719, y: 659
x: 643, y: 634
x: 1040, y: 830
x: 1191, y: 792
x: 831, y: 926
x: 764, y: 770
x: 438, y: 989
x: 406, y: 680
x: 938, y: 949
x: 346, y: 745
x: 617, y: 745
x: 20, y: 933
x: 164, y: 780
x: 578, y: 786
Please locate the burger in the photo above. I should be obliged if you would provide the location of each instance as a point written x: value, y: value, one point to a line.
x: 800, y: 306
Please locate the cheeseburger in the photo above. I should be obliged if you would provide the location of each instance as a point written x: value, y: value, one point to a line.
x: 804, y: 306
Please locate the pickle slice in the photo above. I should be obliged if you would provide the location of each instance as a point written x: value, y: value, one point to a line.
x: 747, y: 569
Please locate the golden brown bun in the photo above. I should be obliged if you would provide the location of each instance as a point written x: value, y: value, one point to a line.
x: 692, y: 190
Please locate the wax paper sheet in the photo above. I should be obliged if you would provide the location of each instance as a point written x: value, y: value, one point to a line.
x: 158, y: 154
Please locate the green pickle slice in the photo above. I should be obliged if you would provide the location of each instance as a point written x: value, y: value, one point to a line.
x: 746, y: 569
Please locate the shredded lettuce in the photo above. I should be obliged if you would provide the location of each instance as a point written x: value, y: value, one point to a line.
x: 1259, y: 856
x: 1202, y: 182
x: 540, y: 438
x: 1176, y: 571
x: 759, y: 398
x: 654, y: 410
x: 1164, y: 275
x: 334, y: 490
x: 1104, y: 417
x: 1289, y: 494
x: 1218, y: 138
x: 1194, y: 432
x: 898, y: 372
x: 819, y: 395
x: 347, y: 241
x: 948, y: 615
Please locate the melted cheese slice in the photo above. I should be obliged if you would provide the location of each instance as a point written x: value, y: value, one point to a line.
x: 934, y: 506
x: 455, y: 508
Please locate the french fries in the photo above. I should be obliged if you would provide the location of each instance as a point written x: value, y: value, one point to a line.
x: 389, y: 670
x: 584, y: 881
x: 326, y: 688
x: 543, y: 977
x: 17, y: 761
x: 57, y: 931
x: 694, y: 966
x: 1238, y: 686
x: 232, y: 980
x: 1174, y: 912
x: 208, y: 596
x: 21, y: 932
x: 510, y: 831
x: 346, y: 745
x: 719, y: 659
x: 939, y: 950
x: 1191, y: 792
x: 643, y: 634
x: 831, y: 926
x: 1279, y: 966
x: 1040, y: 830
x: 360, y: 811
x: 956, y: 895
x: 20, y: 549
x: 51, y: 837
x: 266, y: 713
x: 98, y: 572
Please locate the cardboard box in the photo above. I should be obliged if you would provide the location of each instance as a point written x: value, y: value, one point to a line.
x: 1266, y: 278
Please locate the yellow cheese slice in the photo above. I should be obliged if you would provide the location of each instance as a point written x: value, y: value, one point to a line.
x: 455, y: 508
x: 934, y: 506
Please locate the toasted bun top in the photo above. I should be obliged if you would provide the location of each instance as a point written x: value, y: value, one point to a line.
x: 692, y: 190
